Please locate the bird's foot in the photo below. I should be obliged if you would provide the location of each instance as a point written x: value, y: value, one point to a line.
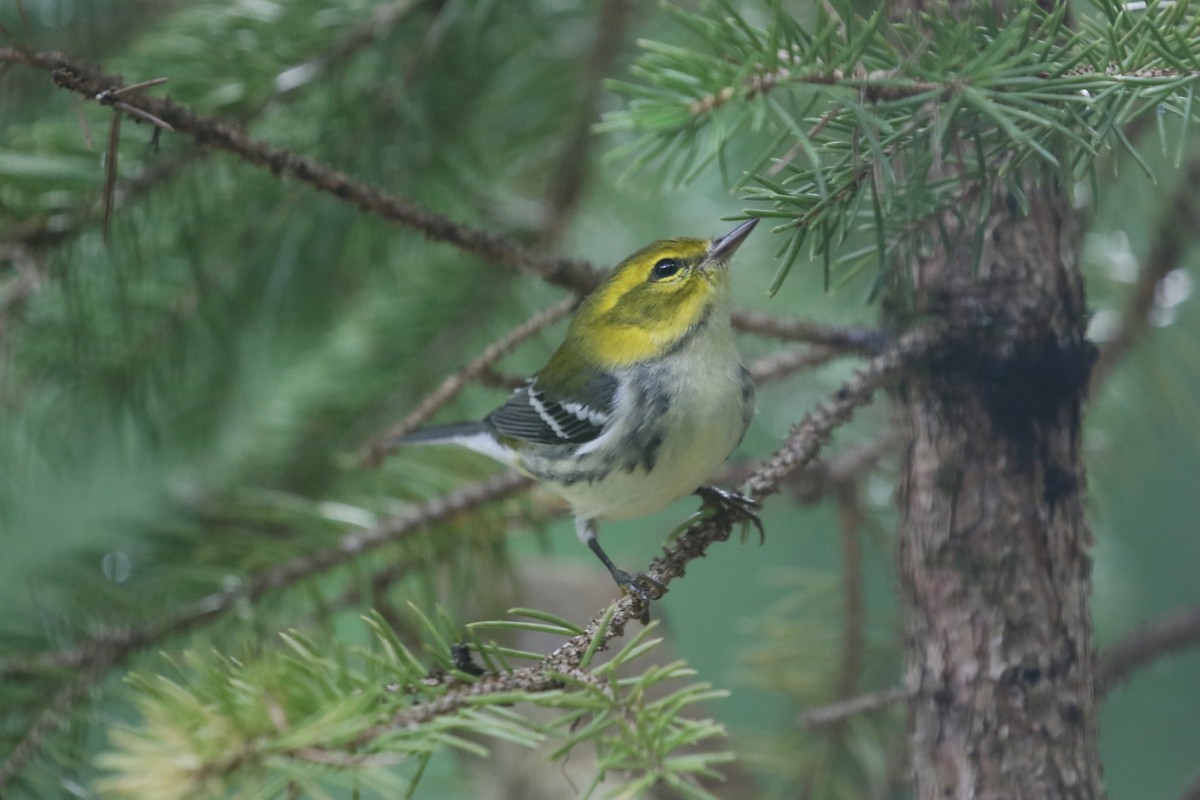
x: 739, y: 507
x: 641, y: 587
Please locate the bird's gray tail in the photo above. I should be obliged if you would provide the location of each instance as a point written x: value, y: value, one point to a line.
x: 471, y: 435
x: 453, y: 433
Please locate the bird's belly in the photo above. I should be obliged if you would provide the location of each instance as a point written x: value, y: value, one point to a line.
x: 663, y: 455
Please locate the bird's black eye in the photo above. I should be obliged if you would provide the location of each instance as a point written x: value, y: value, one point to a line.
x: 664, y: 269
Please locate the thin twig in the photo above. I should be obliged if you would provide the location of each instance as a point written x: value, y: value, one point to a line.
x: 782, y: 363
x: 843, y: 710
x: 380, y: 446
x: 1177, y: 229
x: 798, y: 147
x: 110, y: 174
x: 854, y: 610
x: 856, y: 339
x: 1148, y: 643
x: 874, y: 86
x: 1164, y: 636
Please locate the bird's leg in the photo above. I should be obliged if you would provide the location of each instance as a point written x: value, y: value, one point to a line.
x: 640, y: 585
x: 743, y: 509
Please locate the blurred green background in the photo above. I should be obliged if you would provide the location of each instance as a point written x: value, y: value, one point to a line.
x: 182, y: 403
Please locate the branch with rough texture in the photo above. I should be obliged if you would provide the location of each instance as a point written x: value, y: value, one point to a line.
x: 93, y: 84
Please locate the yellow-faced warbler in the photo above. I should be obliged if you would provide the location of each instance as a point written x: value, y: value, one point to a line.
x: 642, y: 401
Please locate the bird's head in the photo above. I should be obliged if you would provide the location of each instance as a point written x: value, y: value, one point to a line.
x: 656, y: 297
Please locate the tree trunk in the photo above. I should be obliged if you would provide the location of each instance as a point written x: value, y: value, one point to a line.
x: 993, y: 566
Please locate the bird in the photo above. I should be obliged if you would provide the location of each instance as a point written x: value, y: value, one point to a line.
x: 644, y: 399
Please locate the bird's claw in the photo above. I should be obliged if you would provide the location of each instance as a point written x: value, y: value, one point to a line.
x: 741, y: 508
x: 642, y: 588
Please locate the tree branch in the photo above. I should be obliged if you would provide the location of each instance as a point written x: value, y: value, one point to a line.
x: 843, y: 710
x: 1160, y: 637
x: 52, y: 716
x: 117, y: 644
x: 580, y: 277
x: 841, y: 337
x: 91, y: 83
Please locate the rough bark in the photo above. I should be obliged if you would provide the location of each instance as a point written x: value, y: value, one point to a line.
x: 993, y: 563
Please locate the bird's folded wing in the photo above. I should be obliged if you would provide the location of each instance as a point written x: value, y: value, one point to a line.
x: 538, y: 414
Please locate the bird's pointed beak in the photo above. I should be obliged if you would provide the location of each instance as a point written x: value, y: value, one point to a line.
x: 723, y: 247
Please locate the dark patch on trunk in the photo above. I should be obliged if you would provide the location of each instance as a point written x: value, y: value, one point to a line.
x: 1023, y: 386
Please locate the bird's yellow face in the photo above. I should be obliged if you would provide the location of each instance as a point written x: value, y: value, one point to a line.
x: 661, y: 290
x: 654, y: 298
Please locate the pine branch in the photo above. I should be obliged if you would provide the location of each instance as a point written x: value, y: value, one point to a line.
x: 53, y: 715
x: 116, y: 645
x: 568, y: 663
x: 881, y: 118
x: 91, y: 83
x: 854, y: 610
x: 782, y: 363
x: 578, y: 276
